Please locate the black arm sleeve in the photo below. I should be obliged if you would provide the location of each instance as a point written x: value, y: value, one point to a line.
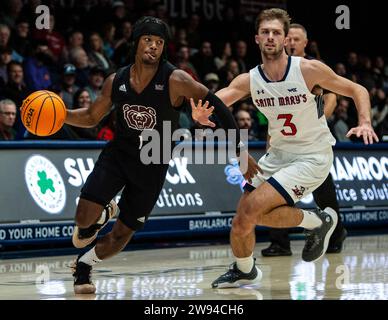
x: 225, y: 116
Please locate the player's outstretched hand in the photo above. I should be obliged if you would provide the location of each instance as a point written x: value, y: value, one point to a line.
x: 201, y: 113
x: 366, y: 131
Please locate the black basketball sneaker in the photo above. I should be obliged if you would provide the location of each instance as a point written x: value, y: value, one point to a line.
x: 235, y: 278
x: 317, y: 240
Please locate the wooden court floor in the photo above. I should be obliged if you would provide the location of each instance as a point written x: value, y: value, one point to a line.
x: 359, y: 272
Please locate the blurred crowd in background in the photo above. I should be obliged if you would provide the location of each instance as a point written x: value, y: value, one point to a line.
x: 88, y: 40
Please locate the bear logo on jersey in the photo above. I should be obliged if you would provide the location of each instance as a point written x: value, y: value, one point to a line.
x: 139, y: 117
x: 299, y: 191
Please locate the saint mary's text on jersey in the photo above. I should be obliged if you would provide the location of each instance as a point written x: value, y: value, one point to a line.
x: 282, y: 101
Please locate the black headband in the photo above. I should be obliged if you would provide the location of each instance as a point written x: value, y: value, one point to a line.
x: 151, y: 26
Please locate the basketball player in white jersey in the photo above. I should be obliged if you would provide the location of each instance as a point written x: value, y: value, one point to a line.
x: 325, y: 195
x: 300, y: 153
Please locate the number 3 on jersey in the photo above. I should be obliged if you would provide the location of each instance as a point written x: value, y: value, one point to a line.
x: 289, y: 124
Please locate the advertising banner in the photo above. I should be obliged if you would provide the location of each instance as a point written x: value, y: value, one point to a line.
x: 44, y: 185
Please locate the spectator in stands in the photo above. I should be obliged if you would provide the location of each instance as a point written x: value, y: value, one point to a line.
x: 96, y: 54
x: 353, y: 66
x: 212, y: 82
x: 379, y: 72
x: 68, y: 87
x: 183, y: 62
x: 82, y: 100
x: 232, y: 69
x: 80, y: 59
x: 108, y: 36
x: 5, y: 59
x: 5, y: 34
x: 122, y: 46
x: 96, y: 79
x: 259, y: 125
x: 54, y: 39
x: 338, y: 122
x: 75, y: 40
x: 181, y: 38
x: 244, y: 121
x: 107, y: 132
x: 380, y: 114
x: 223, y: 55
x: 17, y: 91
x: 203, y: 60
x: 241, y: 56
x: 7, y: 119
x: 340, y: 69
x: 313, y: 50
x: 125, y: 32
x: 36, y: 67
x: 367, y: 76
x: 20, y: 40
x: 229, y: 72
x: 379, y: 65
x: 17, y: 25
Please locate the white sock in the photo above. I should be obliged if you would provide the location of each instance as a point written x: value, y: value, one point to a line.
x: 245, y: 264
x: 310, y: 220
x: 102, y: 218
x: 90, y: 257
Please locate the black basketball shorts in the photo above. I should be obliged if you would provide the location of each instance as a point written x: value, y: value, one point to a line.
x: 116, y: 170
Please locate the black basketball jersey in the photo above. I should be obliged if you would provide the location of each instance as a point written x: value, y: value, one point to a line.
x: 147, y: 110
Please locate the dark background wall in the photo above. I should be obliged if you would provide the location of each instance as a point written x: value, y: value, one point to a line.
x: 368, y: 33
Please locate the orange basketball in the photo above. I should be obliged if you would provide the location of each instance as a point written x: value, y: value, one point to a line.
x: 43, y: 113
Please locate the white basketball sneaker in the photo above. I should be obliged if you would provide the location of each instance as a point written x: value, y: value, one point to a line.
x: 83, y: 237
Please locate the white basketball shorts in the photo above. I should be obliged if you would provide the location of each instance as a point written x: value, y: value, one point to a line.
x: 294, y: 176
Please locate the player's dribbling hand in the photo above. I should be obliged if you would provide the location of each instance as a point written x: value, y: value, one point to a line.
x: 201, y: 113
x: 248, y: 166
x: 366, y: 131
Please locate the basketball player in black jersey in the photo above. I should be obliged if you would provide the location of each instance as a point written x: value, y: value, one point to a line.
x: 325, y: 195
x: 144, y: 94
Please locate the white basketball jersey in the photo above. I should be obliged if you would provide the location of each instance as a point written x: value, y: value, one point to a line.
x: 296, y: 122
